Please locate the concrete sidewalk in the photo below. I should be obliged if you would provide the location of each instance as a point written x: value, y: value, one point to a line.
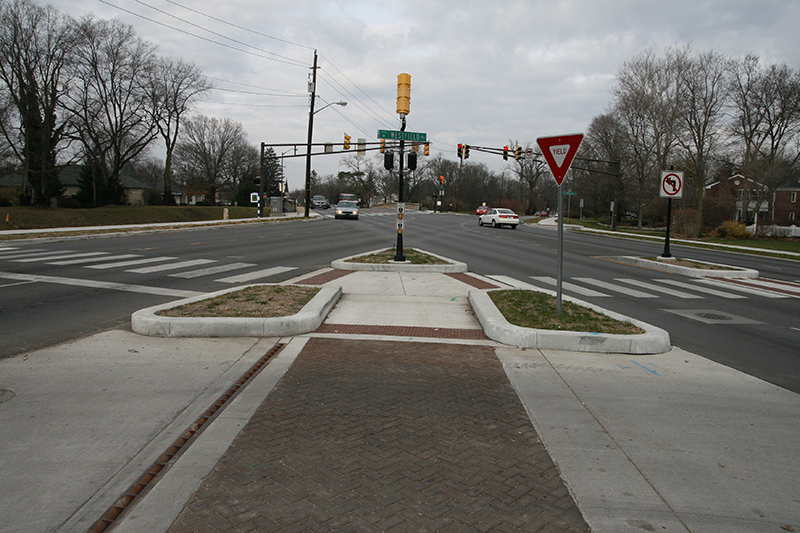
x: 445, y: 428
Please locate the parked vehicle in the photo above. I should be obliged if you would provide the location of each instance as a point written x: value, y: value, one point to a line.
x: 320, y: 202
x: 482, y: 210
x: 499, y: 217
x: 347, y: 209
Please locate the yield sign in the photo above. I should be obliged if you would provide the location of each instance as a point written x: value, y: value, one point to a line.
x: 559, y: 151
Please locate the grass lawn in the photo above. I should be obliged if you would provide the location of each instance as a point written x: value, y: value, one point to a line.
x: 12, y: 218
x: 261, y: 301
x: 537, y: 310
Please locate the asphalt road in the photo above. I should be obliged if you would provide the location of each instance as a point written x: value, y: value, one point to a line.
x: 52, y: 293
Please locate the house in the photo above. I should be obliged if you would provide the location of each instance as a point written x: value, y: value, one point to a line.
x: 136, y: 191
x: 786, y: 204
x: 735, y: 189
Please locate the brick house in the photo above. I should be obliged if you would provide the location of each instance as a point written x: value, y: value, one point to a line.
x: 730, y: 193
x: 786, y: 204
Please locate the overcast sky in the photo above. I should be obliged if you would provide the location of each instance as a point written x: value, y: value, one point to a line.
x: 482, y: 73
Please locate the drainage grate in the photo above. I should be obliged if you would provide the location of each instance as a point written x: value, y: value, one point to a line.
x: 147, y: 480
x: 712, y: 316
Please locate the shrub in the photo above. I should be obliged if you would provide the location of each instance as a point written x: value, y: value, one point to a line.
x: 687, y: 222
x: 731, y: 230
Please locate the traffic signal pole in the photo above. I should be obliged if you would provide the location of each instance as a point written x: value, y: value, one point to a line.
x: 398, y: 255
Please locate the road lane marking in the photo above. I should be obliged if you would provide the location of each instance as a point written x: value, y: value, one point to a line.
x: 131, y: 263
x: 94, y: 259
x: 583, y: 291
x: 211, y: 270
x: 58, y: 257
x: 141, y: 289
x: 171, y: 266
x: 665, y: 290
x: 617, y: 288
x: 705, y: 290
x: 256, y: 275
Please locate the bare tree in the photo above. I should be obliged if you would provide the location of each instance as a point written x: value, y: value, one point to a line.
x: 173, y: 85
x: 703, y: 86
x: 207, y: 153
x: 111, y: 103
x: 766, y: 124
x: 36, y: 44
x: 647, y: 101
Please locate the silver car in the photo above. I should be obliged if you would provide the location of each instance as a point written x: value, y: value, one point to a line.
x: 347, y: 209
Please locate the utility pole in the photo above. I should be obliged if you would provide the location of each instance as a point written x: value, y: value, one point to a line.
x: 313, y: 90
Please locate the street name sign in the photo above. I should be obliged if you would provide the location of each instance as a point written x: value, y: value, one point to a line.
x: 559, y: 151
x: 396, y: 135
x: 671, y: 184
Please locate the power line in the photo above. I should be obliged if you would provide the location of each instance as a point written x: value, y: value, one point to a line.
x: 284, y: 59
x: 237, y: 26
x: 289, y: 62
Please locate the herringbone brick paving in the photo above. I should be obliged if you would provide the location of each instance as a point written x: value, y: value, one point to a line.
x: 386, y: 436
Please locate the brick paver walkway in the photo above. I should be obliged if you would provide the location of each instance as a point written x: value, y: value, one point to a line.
x: 386, y: 436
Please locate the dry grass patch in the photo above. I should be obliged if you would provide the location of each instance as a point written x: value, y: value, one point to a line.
x: 537, y: 310
x: 387, y: 256
x: 260, y: 301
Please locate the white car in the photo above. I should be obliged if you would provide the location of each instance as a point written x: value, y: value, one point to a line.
x: 499, y: 217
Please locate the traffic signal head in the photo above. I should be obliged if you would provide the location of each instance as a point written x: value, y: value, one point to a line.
x: 505, y: 153
x: 427, y: 148
x: 461, y: 151
x: 383, y: 146
x: 412, y: 161
x: 518, y: 154
x: 441, y: 181
x: 388, y: 160
x: 403, y: 93
x: 466, y: 151
x: 346, y: 141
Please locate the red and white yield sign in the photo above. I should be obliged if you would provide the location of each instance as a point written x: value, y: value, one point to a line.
x: 559, y: 151
x: 671, y: 184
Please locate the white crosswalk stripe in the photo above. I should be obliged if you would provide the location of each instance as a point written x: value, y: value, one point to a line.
x: 258, y: 274
x: 212, y: 270
x: 583, y: 291
x: 616, y: 288
x: 656, y: 288
x: 94, y: 259
x: 171, y: 266
x: 705, y: 290
x: 728, y: 285
x: 513, y: 282
x: 58, y: 257
x: 33, y: 253
x: 123, y: 264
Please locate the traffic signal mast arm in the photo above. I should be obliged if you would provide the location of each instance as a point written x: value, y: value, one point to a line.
x: 370, y: 146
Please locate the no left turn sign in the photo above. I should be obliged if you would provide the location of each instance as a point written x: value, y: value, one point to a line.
x: 671, y: 184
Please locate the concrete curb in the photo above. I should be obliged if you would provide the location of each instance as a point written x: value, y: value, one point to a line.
x: 653, y: 341
x: 147, y: 322
x: 454, y: 266
x: 728, y: 272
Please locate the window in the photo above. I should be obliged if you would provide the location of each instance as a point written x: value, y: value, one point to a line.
x: 794, y: 197
x: 791, y: 215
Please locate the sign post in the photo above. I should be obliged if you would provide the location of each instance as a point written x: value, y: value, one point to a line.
x: 559, y: 151
x: 671, y: 187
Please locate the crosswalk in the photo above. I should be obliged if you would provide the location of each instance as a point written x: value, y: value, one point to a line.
x: 692, y: 289
x: 234, y: 272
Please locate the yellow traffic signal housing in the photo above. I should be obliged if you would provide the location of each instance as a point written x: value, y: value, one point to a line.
x: 383, y: 145
x: 427, y: 148
x: 346, y: 141
x: 403, y: 94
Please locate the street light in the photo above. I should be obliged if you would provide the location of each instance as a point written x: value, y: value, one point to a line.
x: 311, y: 114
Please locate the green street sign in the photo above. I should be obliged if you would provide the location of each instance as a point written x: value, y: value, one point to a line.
x: 395, y: 135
